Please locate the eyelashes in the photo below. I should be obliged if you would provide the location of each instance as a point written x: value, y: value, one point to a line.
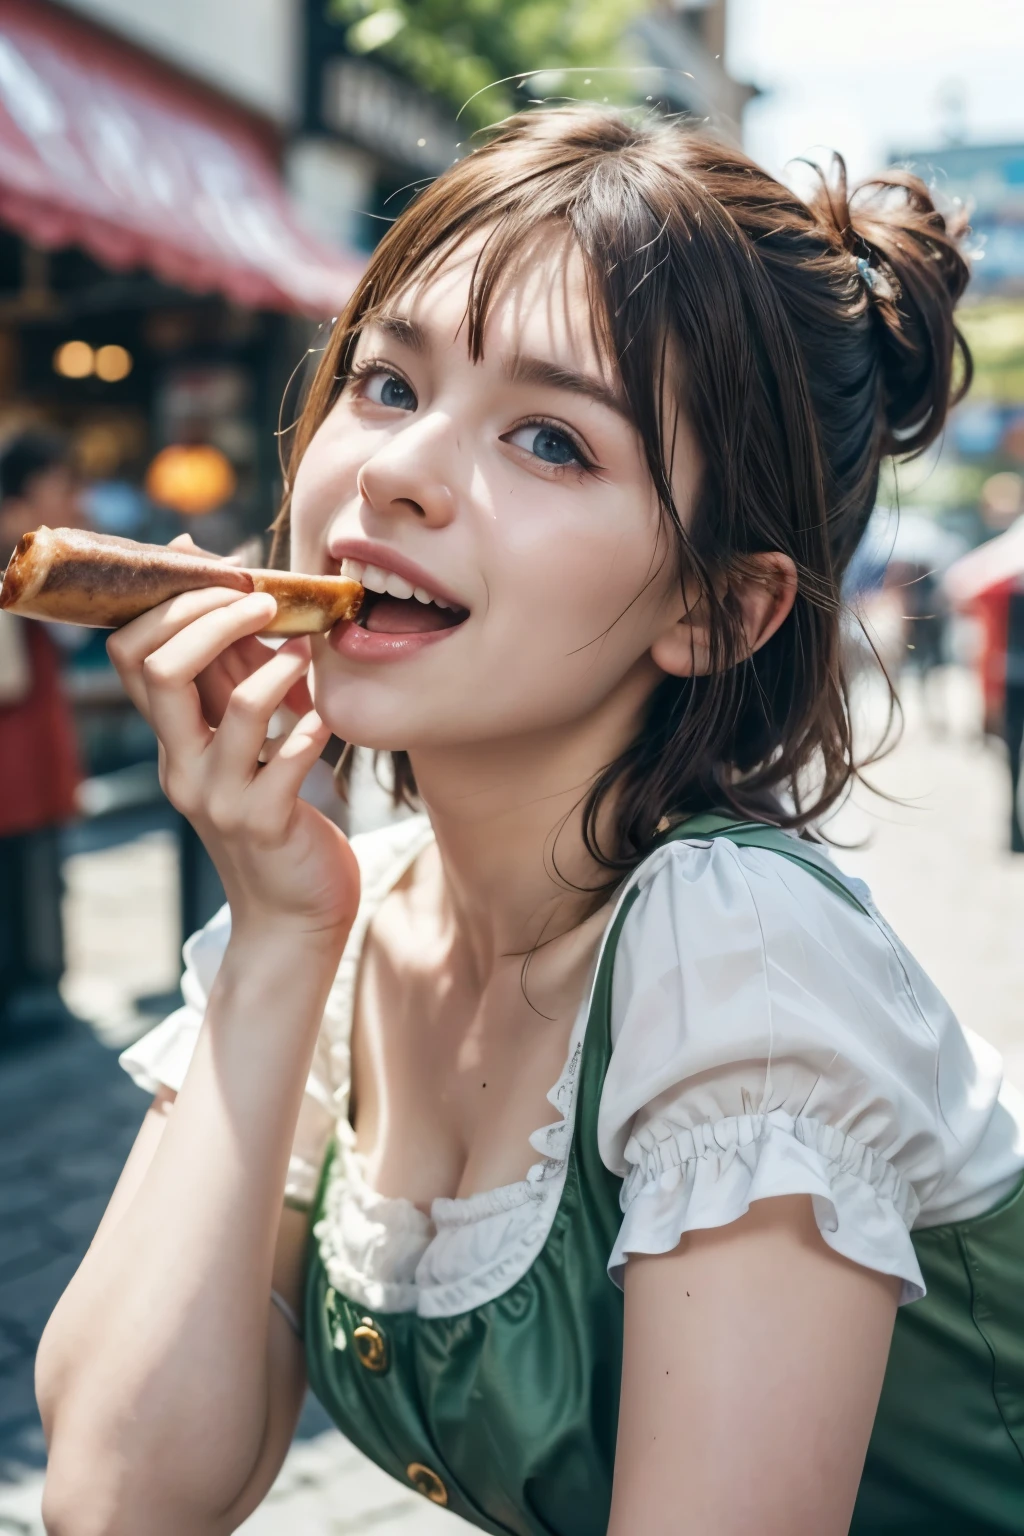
x: 549, y: 440
x: 553, y: 445
x: 373, y: 368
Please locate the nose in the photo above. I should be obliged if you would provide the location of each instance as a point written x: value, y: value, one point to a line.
x: 405, y: 477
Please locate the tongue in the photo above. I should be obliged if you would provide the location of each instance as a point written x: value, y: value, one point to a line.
x: 406, y: 616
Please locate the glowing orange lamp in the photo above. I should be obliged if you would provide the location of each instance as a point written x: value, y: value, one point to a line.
x: 192, y: 478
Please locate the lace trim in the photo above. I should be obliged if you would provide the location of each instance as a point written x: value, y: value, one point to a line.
x: 370, y: 1245
x: 474, y: 1288
x: 385, y: 1252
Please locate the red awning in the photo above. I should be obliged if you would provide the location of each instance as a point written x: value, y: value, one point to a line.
x: 102, y: 147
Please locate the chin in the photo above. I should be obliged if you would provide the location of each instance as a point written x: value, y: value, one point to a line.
x: 365, y: 713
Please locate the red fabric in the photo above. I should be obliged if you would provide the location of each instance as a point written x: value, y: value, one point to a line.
x: 104, y: 148
x: 39, y: 770
x: 992, y: 609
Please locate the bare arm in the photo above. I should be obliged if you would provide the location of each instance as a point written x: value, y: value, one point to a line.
x: 168, y: 1383
x: 753, y: 1366
x: 74, y: 1475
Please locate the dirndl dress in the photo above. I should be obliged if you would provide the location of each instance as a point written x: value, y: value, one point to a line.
x: 503, y: 1407
x: 507, y: 1413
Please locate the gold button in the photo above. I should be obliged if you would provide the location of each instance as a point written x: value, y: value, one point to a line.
x: 371, y: 1345
x: 426, y: 1482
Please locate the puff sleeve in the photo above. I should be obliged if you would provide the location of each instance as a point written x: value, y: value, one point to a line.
x: 161, y: 1058
x: 765, y: 1042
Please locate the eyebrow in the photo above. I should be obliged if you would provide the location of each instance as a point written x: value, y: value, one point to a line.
x: 518, y: 369
x: 537, y: 370
x: 408, y: 333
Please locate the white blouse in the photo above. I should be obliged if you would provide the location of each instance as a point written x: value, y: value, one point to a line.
x: 768, y: 1039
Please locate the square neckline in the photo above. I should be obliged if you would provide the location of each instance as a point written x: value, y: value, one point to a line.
x: 396, y: 1224
x: 459, y: 1209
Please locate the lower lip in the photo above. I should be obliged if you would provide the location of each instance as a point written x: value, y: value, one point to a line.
x: 349, y: 639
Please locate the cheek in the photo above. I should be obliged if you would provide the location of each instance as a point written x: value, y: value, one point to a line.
x: 570, y: 573
x: 325, y: 478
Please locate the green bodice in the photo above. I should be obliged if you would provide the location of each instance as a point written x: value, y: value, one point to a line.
x: 507, y: 1413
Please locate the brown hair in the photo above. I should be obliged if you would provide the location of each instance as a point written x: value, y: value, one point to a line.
x: 804, y: 341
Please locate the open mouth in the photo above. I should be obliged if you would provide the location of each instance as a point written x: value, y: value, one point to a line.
x: 393, y: 606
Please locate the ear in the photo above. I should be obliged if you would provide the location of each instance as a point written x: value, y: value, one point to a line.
x: 765, y: 591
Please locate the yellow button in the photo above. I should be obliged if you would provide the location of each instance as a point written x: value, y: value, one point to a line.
x: 370, y: 1345
x: 426, y: 1482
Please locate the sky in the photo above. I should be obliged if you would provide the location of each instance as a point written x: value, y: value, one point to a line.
x: 870, y: 77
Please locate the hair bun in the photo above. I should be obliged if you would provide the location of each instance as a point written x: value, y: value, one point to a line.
x: 894, y: 226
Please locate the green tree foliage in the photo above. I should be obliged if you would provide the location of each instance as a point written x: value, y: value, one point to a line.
x: 460, y: 48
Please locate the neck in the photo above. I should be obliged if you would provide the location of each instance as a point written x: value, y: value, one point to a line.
x: 508, y: 819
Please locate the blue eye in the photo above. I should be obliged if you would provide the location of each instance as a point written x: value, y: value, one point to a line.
x: 389, y: 390
x: 548, y: 444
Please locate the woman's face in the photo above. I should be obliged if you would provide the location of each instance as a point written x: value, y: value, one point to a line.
x: 514, y: 490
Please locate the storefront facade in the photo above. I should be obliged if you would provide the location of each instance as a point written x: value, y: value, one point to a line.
x: 157, y: 286
x: 151, y: 266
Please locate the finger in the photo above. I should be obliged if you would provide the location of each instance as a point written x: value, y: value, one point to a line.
x: 270, y: 800
x: 169, y: 673
x: 217, y: 683
x: 243, y: 730
x: 129, y: 646
x: 183, y: 541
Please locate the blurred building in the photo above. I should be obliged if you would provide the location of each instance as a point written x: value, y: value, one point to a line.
x: 988, y: 180
x: 151, y: 257
x: 686, y: 39
x: 157, y: 282
x: 985, y: 440
x: 366, y: 136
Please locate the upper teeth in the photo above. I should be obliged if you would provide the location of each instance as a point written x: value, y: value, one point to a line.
x: 378, y: 580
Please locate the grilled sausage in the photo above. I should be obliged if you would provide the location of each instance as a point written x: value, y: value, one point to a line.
x: 76, y: 577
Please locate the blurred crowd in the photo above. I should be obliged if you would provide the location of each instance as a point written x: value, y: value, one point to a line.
x: 928, y: 592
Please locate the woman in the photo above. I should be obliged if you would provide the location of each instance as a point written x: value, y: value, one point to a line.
x: 599, y: 432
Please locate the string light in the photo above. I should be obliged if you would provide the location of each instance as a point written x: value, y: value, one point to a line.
x: 74, y: 360
x: 78, y: 360
x: 113, y: 363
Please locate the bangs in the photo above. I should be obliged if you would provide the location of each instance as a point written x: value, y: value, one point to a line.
x: 512, y: 239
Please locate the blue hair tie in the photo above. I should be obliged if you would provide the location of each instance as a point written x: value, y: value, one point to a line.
x: 875, y: 281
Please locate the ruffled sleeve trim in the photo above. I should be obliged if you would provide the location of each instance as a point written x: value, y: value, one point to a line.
x: 161, y: 1058
x: 690, y: 1180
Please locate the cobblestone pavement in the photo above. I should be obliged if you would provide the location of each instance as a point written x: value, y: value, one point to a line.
x: 67, y: 1114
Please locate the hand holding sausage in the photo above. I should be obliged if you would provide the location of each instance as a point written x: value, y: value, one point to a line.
x: 195, y: 670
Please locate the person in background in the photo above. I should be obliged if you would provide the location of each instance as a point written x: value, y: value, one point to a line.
x: 39, y: 765
x: 1000, y: 506
x: 988, y: 584
x: 1013, y: 709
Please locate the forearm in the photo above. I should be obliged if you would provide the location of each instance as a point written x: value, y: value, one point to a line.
x: 154, y: 1371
